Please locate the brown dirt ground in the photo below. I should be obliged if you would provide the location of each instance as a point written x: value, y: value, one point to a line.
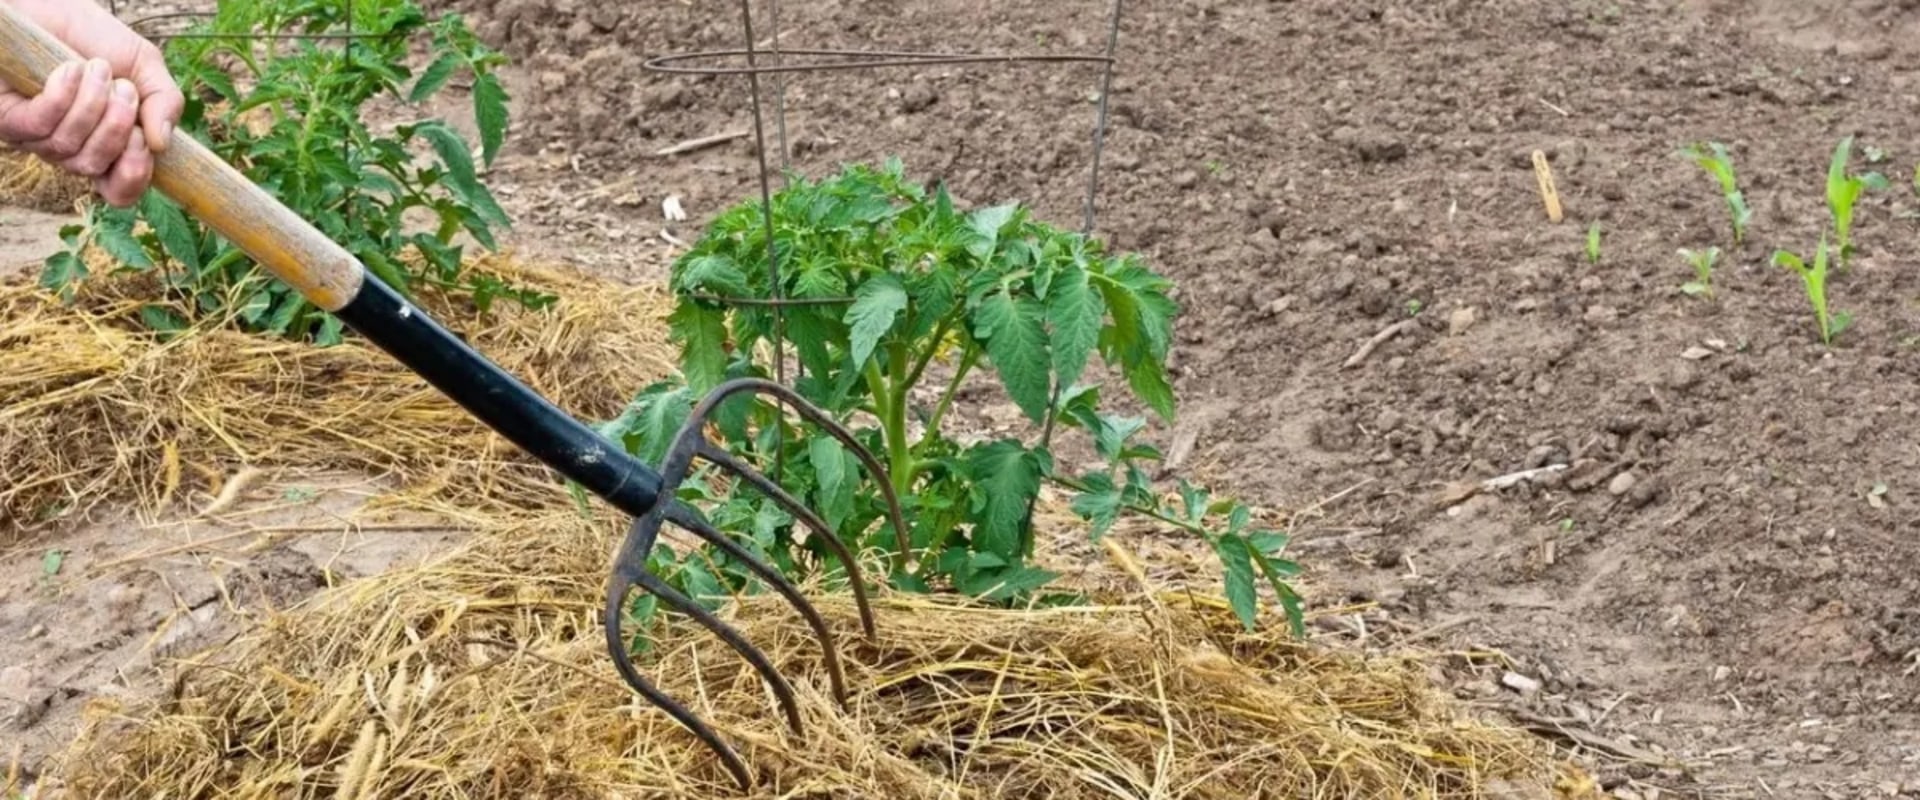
x: 1310, y: 169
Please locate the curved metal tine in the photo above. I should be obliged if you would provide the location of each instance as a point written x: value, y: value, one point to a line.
x: 632, y: 562
x: 640, y: 539
x: 683, y: 517
x: 781, y: 689
x: 833, y: 428
x: 806, y: 515
x: 633, y: 570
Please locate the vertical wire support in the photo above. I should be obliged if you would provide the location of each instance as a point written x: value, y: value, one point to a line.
x: 1100, y: 116
x: 766, y: 216
x: 1093, y: 193
x: 786, y: 165
x: 779, y: 92
x: 346, y: 143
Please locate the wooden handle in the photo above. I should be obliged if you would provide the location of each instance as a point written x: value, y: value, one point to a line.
x: 209, y: 189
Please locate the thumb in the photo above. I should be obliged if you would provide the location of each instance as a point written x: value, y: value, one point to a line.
x: 161, y: 101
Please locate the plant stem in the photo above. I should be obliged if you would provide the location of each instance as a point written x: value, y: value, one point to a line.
x: 939, y: 335
x: 892, y: 411
x: 899, y: 451
x: 449, y: 225
x: 1076, y: 485
x: 967, y: 359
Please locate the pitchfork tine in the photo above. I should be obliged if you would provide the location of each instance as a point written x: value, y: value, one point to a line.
x: 630, y: 564
x: 839, y: 432
x: 682, y: 517
x: 807, y: 517
x: 620, y: 584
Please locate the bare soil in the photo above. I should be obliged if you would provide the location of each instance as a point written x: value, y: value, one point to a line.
x: 1720, y: 594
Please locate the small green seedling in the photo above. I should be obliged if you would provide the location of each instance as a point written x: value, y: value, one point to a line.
x: 1703, y: 262
x: 1713, y: 157
x: 1843, y: 191
x: 1815, y: 277
x: 1593, y: 243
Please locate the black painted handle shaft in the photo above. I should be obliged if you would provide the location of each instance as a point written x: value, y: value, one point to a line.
x: 499, y: 400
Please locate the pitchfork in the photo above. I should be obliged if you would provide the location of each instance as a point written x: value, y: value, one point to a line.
x: 335, y: 281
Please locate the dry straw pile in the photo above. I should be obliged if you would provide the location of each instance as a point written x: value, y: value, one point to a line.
x: 28, y: 182
x: 483, y: 674
x: 484, y: 677
x: 95, y: 408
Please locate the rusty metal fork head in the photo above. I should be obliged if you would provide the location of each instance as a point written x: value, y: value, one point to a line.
x: 630, y: 565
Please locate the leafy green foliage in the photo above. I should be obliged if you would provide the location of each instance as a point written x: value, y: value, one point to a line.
x: 905, y: 297
x: 1714, y: 158
x: 1593, y: 243
x: 289, y: 116
x: 1831, y: 323
x: 1843, y: 192
x: 1703, y: 262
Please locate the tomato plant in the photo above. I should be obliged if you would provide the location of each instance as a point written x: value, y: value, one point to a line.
x: 899, y: 296
x: 290, y: 115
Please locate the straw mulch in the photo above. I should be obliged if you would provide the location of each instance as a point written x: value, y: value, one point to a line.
x: 96, y: 408
x: 484, y: 677
x: 28, y: 182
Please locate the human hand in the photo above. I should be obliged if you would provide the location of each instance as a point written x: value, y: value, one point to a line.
x: 84, y: 120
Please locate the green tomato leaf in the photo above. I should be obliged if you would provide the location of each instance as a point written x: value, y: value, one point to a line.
x: 701, y: 585
x: 1005, y: 584
x: 711, y: 274
x: 1100, y: 504
x: 701, y: 333
x: 831, y: 467
x: 434, y: 77
x: 490, y: 114
x: 332, y: 330
x: 162, y: 319
x: 1016, y: 341
x: 61, y: 271
x: 875, y: 305
x: 986, y: 225
x: 1141, y: 331
x: 1193, y: 501
x: 387, y: 271
x: 114, y: 234
x: 1110, y: 432
x: 1268, y: 543
x: 1005, y: 477
x: 1149, y: 382
x: 461, y: 177
x: 1237, y: 515
x: 256, y: 305
x: 811, y: 330
x: 1276, y: 571
x: 647, y: 426
x: 1242, y: 593
x: 170, y: 226
x: 1075, y: 311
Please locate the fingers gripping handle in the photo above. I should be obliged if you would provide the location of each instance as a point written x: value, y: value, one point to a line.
x: 208, y: 188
